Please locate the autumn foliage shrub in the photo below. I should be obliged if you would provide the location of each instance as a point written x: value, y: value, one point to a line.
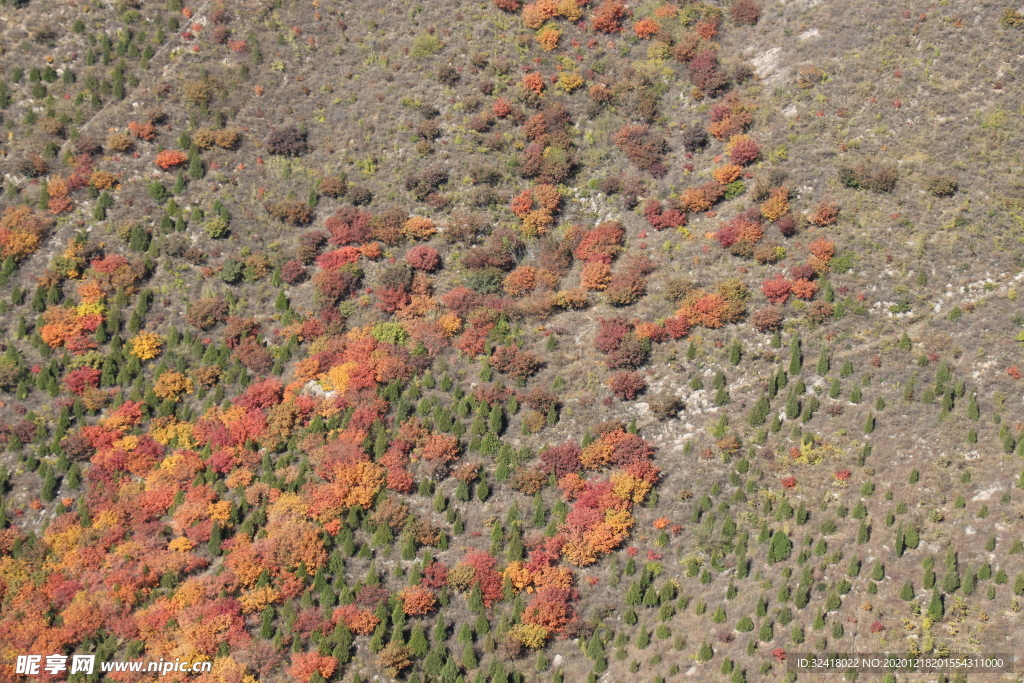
x: 746, y: 12
x: 824, y: 214
x: 626, y: 385
x: 743, y: 149
x: 645, y: 28
x: 608, y: 17
x: 643, y: 146
x: 205, y: 313
x: 767, y: 319
x: 777, y: 204
x: 77, y: 381
x: 511, y: 361
x: 660, y: 218
x: 602, y: 243
x: 347, y: 225
x: 21, y: 231
x: 706, y: 73
x: 423, y: 258
x: 169, y: 158
x: 288, y: 141
x: 729, y: 118
x: 777, y: 289
x: 291, y: 211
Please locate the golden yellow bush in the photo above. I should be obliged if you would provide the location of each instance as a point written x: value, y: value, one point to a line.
x: 172, y: 384
x: 146, y: 345
x: 419, y: 228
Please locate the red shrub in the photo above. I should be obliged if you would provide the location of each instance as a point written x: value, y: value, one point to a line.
x: 261, y: 394
x: 253, y: 355
x: 78, y: 380
x: 423, y: 257
x: 786, y: 225
x: 777, y: 289
x: 677, y: 326
x: 561, y: 460
x: 705, y: 72
x: 333, y: 260
x: 349, y: 225
x: 509, y: 360
x: 745, y: 12
x: 626, y: 385
x: 644, y: 147
x: 293, y: 272
x: 601, y: 243
x: 610, y: 333
x: 659, y: 219
x: 390, y: 299
x: 744, y: 151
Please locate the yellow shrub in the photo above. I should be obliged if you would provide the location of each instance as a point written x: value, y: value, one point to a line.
x: 570, y: 81
x: 172, y: 384
x: 146, y: 345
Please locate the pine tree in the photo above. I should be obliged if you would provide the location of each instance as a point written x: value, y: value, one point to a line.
x: 49, y: 488
x: 643, y: 639
x: 780, y: 547
x: 215, y: 539
x: 823, y: 363
x: 972, y: 407
x: 735, y: 353
x: 905, y: 343
x: 759, y: 413
x: 281, y: 303
x: 936, y: 609
x: 792, y: 406
x: 796, y: 359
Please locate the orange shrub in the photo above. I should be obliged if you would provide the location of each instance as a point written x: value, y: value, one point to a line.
x: 536, y: 13
x: 417, y: 600
x: 548, y: 197
x: 143, y: 131
x: 520, y: 281
x: 804, y: 289
x: 548, y: 38
x: 695, y: 199
x: 595, y: 276
x: 825, y: 213
x: 574, y: 299
x: 822, y: 249
x: 728, y: 173
x: 170, y: 158
x: 705, y: 309
x: 645, y: 28
x: 533, y: 82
